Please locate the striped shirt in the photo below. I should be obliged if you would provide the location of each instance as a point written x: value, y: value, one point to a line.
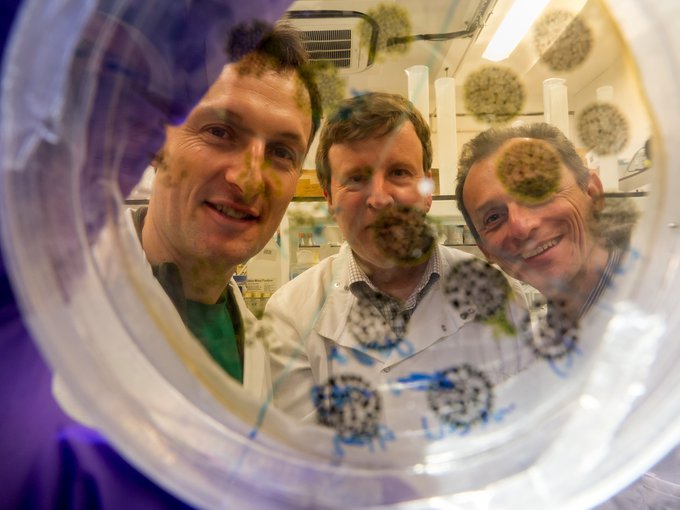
x: 604, y: 282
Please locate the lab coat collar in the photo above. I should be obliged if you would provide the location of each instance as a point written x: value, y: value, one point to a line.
x: 334, y: 315
x: 433, y: 320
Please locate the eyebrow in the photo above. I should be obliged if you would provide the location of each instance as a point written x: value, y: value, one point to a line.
x: 405, y: 163
x: 234, y: 117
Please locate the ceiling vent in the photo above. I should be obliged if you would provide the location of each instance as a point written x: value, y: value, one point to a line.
x: 334, y: 36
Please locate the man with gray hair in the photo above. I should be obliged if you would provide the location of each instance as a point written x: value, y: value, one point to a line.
x: 539, y: 213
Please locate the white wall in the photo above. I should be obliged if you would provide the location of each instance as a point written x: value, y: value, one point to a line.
x: 622, y: 76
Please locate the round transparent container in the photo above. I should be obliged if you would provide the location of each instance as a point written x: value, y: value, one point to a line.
x: 79, y: 125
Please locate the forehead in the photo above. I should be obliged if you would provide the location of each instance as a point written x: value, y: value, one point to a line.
x: 279, y: 99
x: 399, y: 146
x: 484, y: 184
x: 281, y: 86
x: 515, y: 145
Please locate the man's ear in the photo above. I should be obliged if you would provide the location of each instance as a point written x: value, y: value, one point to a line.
x: 329, y: 201
x: 157, y: 161
x: 595, y: 191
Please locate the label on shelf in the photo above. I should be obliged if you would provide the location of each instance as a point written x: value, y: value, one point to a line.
x: 261, y: 284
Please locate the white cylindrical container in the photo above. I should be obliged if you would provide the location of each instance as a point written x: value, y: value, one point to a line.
x: 419, y: 88
x: 445, y: 93
x: 556, y: 104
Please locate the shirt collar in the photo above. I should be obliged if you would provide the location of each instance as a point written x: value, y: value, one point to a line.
x: 361, y: 286
x: 613, y: 262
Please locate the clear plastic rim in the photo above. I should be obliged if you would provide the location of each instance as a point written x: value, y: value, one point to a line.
x: 263, y: 471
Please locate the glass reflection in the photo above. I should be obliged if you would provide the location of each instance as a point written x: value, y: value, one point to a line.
x: 358, y: 313
x: 387, y: 329
x: 387, y: 347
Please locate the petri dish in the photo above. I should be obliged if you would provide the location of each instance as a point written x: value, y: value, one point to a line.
x: 79, y: 128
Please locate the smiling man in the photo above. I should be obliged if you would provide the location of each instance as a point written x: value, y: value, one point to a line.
x: 362, y: 335
x: 535, y: 210
x: 224, y: 179
x: 541, y: 215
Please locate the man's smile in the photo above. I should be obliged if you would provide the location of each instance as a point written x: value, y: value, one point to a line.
x: 230, y: 212
x: 525, y: 255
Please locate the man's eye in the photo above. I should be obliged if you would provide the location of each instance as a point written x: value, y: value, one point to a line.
x: 356, y: 179
x: 283, y: 152
x: 400, y: 172
x: 218, y: 131
x: 492, y: 219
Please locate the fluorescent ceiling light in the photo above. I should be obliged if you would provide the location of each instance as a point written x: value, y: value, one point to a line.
x: 514, y: 26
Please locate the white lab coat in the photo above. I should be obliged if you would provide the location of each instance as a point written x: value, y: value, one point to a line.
x: 257, y: 380
x: 309, y: 317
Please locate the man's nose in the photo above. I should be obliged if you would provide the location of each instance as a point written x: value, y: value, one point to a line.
x: 379, y: 193
x: 522, y: 221
x: 248, y: 174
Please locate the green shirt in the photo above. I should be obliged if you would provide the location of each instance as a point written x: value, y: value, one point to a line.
x: 217, y: 326
x: 213, y: 326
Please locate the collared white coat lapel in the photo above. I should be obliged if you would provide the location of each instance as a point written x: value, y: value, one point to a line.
x: 333, y: 320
